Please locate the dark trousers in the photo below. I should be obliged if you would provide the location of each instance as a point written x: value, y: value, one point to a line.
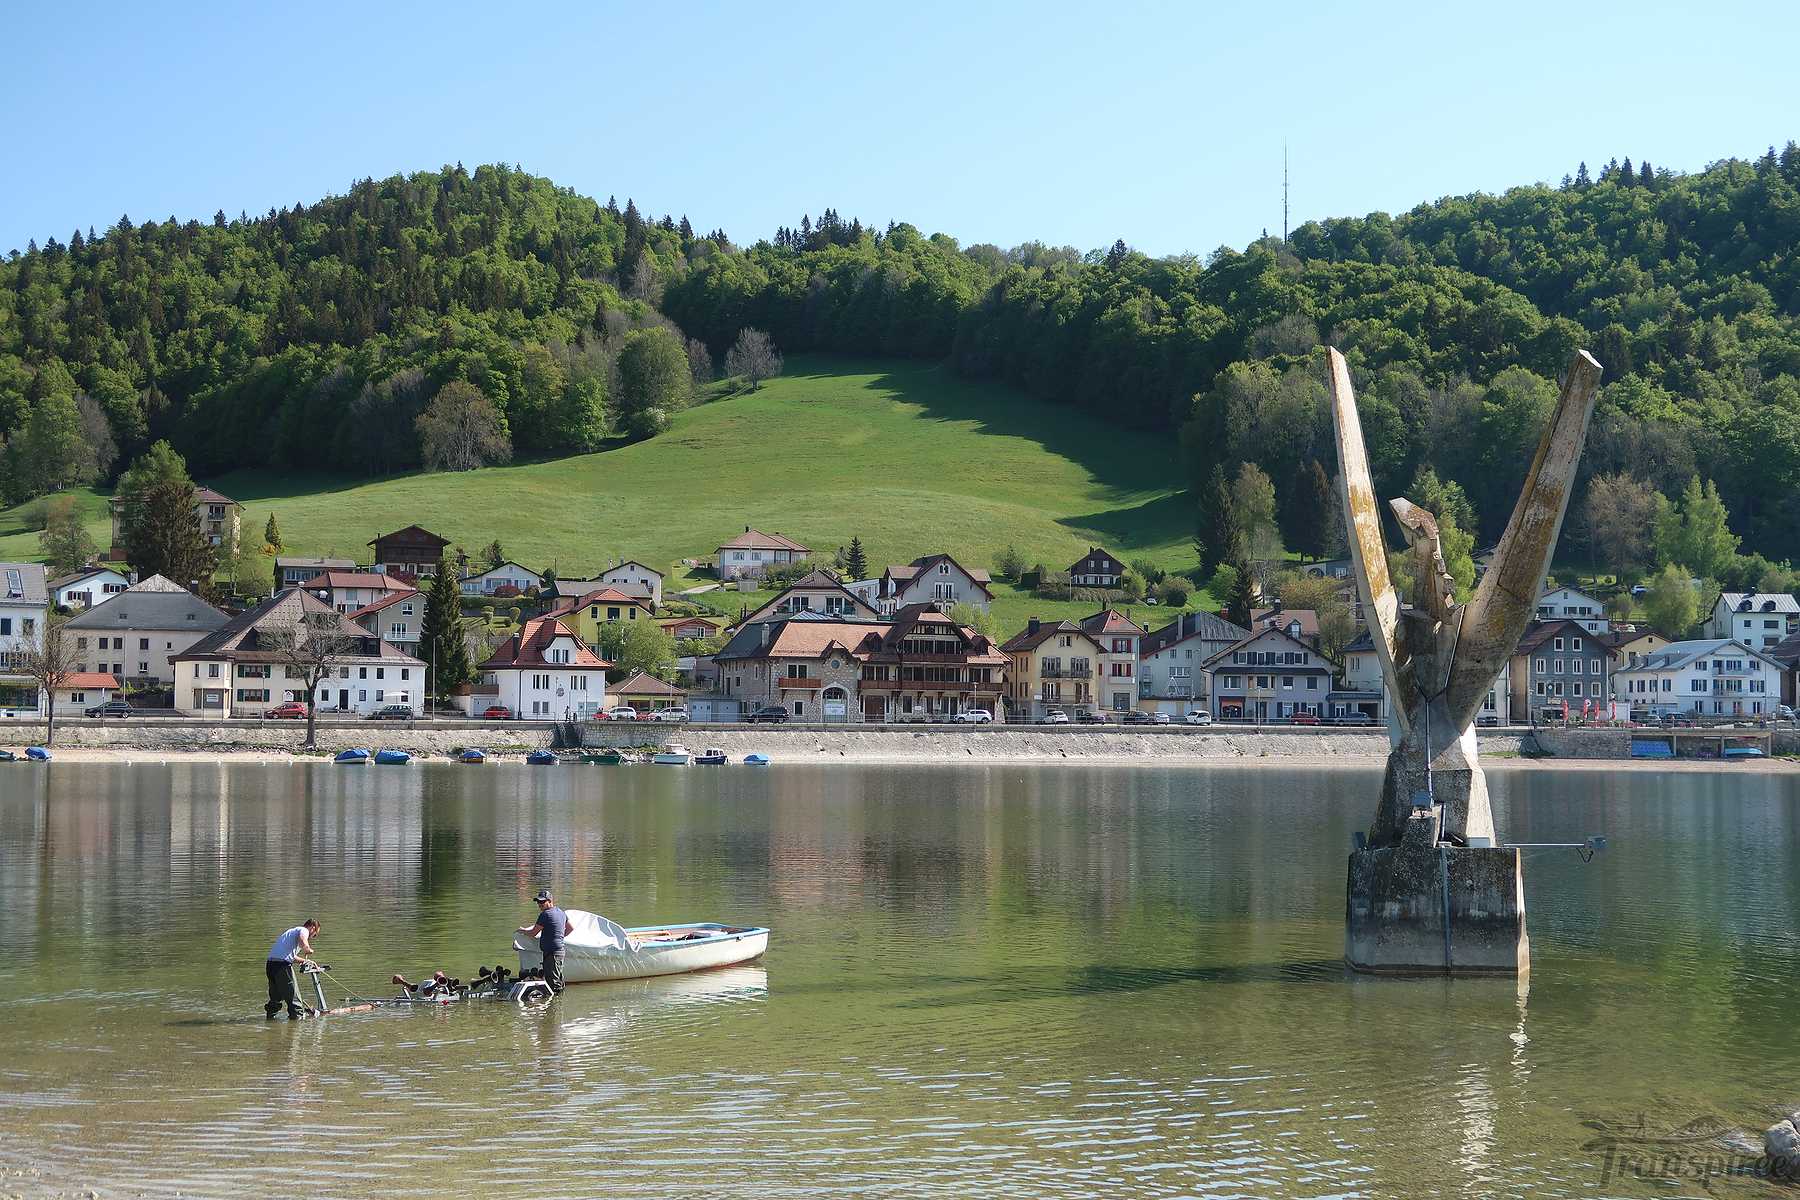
x: 281, y: 989
x: 553, y: 972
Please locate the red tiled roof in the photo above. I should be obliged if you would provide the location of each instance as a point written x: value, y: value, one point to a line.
x: 755, y: 539
x: 86, y: 679
x: 1108, y: 621
x: 641, y: 684
x: 387, y: 601
x: 526, y: 649
x: 356, y: 579
x: 206, y: 495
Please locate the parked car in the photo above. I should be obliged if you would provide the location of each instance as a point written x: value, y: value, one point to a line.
x: 392, y: 712
x: 287, y: 710
x: 1487, y: 721
x: 1055, y: 716
x: 496, y: 712
x: 674, y: 712
x: 1199, y: 716
x: 1354, y: 718
x: 974, y: 716
x: 1784, y: 712
x: 622, y: 712
x: 1087, y: 716
x: 1305, y: 718
x: 1138, y: 717
x: 768, y: 714
x: 112, y: 708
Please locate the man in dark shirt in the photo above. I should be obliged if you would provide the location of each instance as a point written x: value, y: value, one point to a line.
x: 551, y: 927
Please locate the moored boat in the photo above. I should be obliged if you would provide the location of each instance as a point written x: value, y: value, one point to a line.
x: 392, y: 758
x: 37, y: 754
x: 9, y: 756
x: 352, y: 757
x: 603, y: 758
x: 541, y: 758
x: 472, y: 756
x: 713, y: 757
x: 756, y: 760
x: 672, y: 755
x: 596, y: 949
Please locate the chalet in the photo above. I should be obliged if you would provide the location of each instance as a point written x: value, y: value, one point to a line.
x: 545, y: 672
x: 1171, y: 674
x: 1051, y: 665
x: 137, y: 634
x: 1268, y: 675
x: 87, y: 587
x: 805, y: 662
x: 238, y: 670
x: 926, y: 667
x: 1757, y: 619
x: 690, y: 628
x: 935, y: 579
x: 1096, y: 569
x: 814, y: 592
x: 412, y: 552
x: 1118, y: 637
x: 349, y: 591
x: 1568, y: 604
x: 1711, y: 677
x: 753, y: 552
x: 635, y: 579
x: 507, y: 579
x: 294, y: 571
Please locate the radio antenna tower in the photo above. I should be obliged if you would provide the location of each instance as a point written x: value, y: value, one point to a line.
x: 1284, y: 194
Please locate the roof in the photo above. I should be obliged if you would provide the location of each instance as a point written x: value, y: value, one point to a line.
x: 1109, y: 622
x: 324, y: 564
x: 236, y: 639
x: 1257, y: 635
x: 1768, y: 602
x: 978, y: 647
x: 502, y: 566
x: 1204, y: 625
x: 812, y: 581
x: 526, y: 649
x: 1094, y: 552
x: 798, y: 637
x: 631, y: 562
x: 156, y: 583
x: 86, y: 679
x: 709, y: 622
x: 1786, y: 651
x: 64, y: 580
x: 387, y: 601
x: 32, y: 586
x: 905, y: 573
x: 756, y: 539
x: 412, y: 533
x: 357, y: 579
x: 152, y: 608
x: 576, y: 587
x: 640, y: 684
x: 1564, y: 587
x: 206, y: 495
x: 1676, y: 655
x: 1309, y: 620
x: 1031, y: 639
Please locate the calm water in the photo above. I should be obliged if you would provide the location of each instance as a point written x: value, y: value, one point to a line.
x: 983, y: 982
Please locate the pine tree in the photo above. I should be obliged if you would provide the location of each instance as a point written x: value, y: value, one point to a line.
x: 857, y: 562
x: 1115, y: 258
x: 1582, y: 179
x: 1242, y: 598
x: 1627, y: 176
x: 441, y: 642
x: 272, y: 534
x: 1646, y: 177
x: 161, y: 527
x: 1322, y: 506
x: 1220, y: 531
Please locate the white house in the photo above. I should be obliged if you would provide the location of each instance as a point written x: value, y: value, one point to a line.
x: 398, y: 619
x: 1757, y: 619
x: 348, y: 591
x: 545, y: 672
x: 1567, y: 604
x: 78, y: 691
x: 1711, y: 677
x: 935, y: 579
x: 814, y: 592
x: 635, y: 579
x: 508, y: 574
x: 136, y: 634
x: 238, y: 671
x: 86, y: 587
x: 24, y: 599
x: 752, y: 552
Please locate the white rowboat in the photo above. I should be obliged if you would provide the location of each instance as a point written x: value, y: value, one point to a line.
x: 672, y: 755
x: 596, y: 949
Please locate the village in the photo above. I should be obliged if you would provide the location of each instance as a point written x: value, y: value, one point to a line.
x: 914, y: 643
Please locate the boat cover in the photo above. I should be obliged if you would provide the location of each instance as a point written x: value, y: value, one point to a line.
x: 589, y: 932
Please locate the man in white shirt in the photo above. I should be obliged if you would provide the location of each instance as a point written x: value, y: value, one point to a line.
x: 291, y: 947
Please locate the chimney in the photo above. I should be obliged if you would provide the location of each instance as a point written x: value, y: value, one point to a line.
x: 1031, y: 626
x: 1277, y: 604
x: 746, y: 529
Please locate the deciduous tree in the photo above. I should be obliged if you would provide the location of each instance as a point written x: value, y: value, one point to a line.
x: 752, y: 358
x: 65, y: 541
x: 461, y: 429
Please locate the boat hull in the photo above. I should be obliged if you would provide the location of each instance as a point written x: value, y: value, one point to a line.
x: 726, y: 947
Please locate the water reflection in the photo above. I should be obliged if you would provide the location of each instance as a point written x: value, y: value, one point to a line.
x: 984, y: 981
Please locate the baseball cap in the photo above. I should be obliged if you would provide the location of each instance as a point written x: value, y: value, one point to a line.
x: 542, y: 895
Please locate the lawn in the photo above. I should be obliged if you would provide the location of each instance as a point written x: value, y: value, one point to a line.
x: 908, y: 457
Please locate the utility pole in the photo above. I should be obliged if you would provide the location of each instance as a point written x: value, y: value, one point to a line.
x: 1284, y: 194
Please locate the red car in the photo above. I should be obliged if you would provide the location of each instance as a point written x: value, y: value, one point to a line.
x: 496, y: 712
x: 287, y: 708
x: 1304, y: 719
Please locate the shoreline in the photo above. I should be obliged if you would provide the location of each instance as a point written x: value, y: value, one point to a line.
x: 1503, y: 761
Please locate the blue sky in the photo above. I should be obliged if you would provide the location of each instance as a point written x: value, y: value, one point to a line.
x: 1060, y: 122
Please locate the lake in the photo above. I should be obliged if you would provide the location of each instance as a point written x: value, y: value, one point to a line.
x: 983, y: 981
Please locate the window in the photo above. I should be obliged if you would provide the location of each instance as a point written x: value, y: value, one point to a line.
x: 406, y: 672
x: 143, y: 667
x: 81, y: 643
x: 1538, y: 666
x: 143, y: 643
x: 1556, y: 643
x: 1575, y: 688
x: 1574, y: 643
x: 1594, y: 667
x: 1575, y: 666
x: 362, y: 694
x: 381, y: 672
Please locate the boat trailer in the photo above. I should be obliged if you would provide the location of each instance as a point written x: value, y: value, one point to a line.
x: 491, y: 983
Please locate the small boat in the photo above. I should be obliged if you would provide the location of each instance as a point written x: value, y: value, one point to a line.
x: 37, y: 754
x: 1744, y: 752
x: 353, y: 757
x: 603, y: 758
x: 672, y: 755
x: 392, y: 758
x: 9, y: 756
x: 597, y: 949
x: 472, y: 756
x: 541, y: 758
x: 756, y: 760
x: 714, y: 757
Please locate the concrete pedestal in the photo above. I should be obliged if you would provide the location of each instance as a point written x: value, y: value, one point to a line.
x: 1422, y: 909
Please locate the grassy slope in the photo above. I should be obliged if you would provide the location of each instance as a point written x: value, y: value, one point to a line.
x: 909, y: 457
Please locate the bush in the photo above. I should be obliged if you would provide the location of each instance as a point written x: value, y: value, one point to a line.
x: 1009, y: 563
x: 1148, y: 571
x: 1052, y: 583
x: 1175, y: 591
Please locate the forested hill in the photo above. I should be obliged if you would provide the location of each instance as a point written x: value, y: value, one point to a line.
x: 310, y: 337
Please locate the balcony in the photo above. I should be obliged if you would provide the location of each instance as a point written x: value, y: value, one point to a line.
x: 932, y: 685
x: 803, y: 683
